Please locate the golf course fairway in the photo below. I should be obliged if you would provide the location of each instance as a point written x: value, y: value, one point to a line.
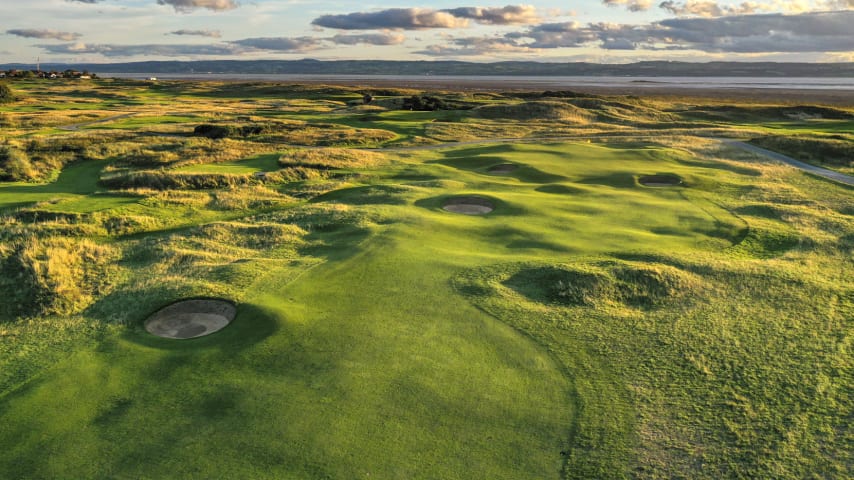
x: 653, y: 307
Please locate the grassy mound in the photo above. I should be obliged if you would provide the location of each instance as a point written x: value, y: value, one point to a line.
x: 332, y: 158
x: 6, y: 95
x: 742, y: 113
x: 608, y: 284
x: 53, y: 276
x: 535, y: 110
x: 626, y: 111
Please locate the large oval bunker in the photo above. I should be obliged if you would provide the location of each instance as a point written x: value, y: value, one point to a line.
x: 191, y: 318
x: 660, y: 180
x: 469, y: 205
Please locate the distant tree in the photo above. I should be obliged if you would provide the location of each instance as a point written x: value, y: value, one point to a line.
x: 213, y: 131
x: 6, y: 94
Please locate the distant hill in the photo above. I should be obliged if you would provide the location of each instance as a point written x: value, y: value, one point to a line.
x: 378, y: 67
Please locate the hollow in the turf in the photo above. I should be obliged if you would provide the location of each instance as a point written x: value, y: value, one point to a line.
x: 503, y: 169
x: 469, y: 205
x: 191, y: 318
x: 660, y: 181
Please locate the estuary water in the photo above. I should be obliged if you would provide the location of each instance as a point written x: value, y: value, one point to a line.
x: 517, y: 81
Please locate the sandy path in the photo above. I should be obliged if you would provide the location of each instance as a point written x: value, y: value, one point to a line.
x: 77, y: 126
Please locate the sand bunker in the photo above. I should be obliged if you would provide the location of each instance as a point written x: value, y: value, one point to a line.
x: 503, y: 169
x: 660, y: 180
x: 191, y: 319
x: 469, y: 205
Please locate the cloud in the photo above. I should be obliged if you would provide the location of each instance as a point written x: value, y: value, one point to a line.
x: 821, y: 32
x: 702, y: 8
x: 111, y: 50
x: 369, y: 39
x: 422, y: 18
x: 44, y: 34
x: 808, y: 32
x: 712, y: 8
x: 83, y: 1
x: 631, y: 5
x: 200, y: 33
x: 394, y: 18
x: 509, y: 15
x: 556, y: 35
x: 280, y: 44
x: 475, y: 46
x: 185, y: 6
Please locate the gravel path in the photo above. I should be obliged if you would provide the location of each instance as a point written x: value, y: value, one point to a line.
x: 806, y: 167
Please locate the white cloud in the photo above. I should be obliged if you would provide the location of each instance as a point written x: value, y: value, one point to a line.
x: 395, y: 18
x: 199, y: 33
x: 189, y: 5
x: 43, y: 34
x: 631, y: 5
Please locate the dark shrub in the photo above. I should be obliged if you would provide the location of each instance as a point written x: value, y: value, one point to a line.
x: 6, y: 94
x: 212, y: 131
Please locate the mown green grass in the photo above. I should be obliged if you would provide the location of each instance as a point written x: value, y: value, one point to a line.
x: 258, y: 163
x: 589, y: 327
x: 824, y: 126
x: 74, y: 181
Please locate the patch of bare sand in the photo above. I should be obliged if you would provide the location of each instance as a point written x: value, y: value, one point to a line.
x: 503, y: 169
x: 191, y: 318
x: 660, y: 181
x: 469, y: 205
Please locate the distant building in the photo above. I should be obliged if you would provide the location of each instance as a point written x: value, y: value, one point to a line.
x: 15, y: 73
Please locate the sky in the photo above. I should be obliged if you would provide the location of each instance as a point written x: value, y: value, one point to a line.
x: 604, y: 31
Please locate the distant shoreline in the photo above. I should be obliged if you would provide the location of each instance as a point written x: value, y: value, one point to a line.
x: 832, y: 91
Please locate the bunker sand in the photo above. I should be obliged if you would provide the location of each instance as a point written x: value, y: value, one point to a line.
x: 191, y: 319
x: 468, y: 205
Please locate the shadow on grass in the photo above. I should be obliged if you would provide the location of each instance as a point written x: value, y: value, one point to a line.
x: 251, y: 325
x: 480, y: 163
x: 747, y: 171
x: 616, y: 180
x: 558, y: 189
x: 365, y: 195
x: 500, y: 207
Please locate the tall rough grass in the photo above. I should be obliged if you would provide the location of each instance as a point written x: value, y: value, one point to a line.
x: 53, y: 275
x: 537, y: 110
x: 332, y: 158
